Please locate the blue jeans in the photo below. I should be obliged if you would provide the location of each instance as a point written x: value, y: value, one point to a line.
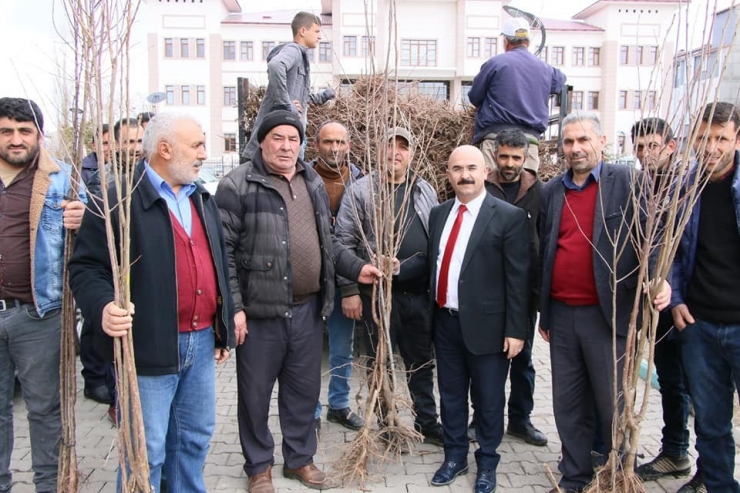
x: 341, y: 337
x: 30, y: 345
x: 180, y: 415
x: 711, y: 360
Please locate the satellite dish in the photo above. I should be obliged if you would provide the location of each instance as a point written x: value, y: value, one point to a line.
x: 156, y: 97
x: 535, y: 24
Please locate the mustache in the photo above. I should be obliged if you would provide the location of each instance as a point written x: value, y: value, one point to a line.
x: 198, y: 164
x: 465, y: 181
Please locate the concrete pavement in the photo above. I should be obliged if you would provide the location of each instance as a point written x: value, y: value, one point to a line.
x: 522, y: 468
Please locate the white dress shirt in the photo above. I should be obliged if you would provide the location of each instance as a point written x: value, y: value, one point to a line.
x: 458, y: 254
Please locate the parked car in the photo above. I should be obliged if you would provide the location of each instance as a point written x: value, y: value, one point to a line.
x: 208, y: 180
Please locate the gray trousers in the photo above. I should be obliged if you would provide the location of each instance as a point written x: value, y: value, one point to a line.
x: 30, y: 345
x: 582, y: 373
x: 287, y: 350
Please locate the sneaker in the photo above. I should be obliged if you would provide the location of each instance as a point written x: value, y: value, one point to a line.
x: 663, y: 466
x: 695, y: 484
x: 345, y: 417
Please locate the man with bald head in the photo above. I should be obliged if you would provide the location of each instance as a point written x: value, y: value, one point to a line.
x: 480, y: 281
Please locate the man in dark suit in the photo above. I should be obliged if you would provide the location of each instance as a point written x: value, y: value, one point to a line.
x: 479, y: 281
x: 586, y: 216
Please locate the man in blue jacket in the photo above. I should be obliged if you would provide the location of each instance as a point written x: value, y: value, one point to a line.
x: 706, y: 277
x: 34, y: 217
x: 512, y: 90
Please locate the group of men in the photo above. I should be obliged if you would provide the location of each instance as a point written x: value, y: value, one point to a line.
x: 285, y: 245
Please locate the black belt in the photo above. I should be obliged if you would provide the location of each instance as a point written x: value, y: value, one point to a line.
x: 451, y: 311
x: 9, y: 303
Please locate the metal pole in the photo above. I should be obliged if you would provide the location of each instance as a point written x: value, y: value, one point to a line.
x: 242, y: 93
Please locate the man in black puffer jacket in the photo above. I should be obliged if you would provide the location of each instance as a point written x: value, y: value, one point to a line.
x: 277, y: 222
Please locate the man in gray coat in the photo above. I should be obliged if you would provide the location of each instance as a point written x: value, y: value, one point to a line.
x: 289, y: 77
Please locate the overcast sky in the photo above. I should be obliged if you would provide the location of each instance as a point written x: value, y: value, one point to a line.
x: 32, y: 45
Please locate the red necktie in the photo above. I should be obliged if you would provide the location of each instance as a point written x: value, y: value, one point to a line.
x: 444, y: 269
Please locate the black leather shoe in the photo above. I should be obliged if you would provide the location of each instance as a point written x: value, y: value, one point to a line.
x: 485, y: 481
x: 345, y: 417
x: 434, y: 435
x: 447, y: 473
x: 99, y: 394
x: 528, y: 433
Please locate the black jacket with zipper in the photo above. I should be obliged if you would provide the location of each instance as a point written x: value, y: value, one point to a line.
x: 153, y: 275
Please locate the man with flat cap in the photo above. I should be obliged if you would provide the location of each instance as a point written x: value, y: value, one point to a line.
x: 277, y: 224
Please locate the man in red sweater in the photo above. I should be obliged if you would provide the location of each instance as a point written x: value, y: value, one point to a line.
x: 584, y: 213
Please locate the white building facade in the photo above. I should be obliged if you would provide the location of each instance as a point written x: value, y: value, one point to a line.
x: 617, y: 54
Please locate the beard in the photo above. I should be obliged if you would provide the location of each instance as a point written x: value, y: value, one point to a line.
x: 20, y: 160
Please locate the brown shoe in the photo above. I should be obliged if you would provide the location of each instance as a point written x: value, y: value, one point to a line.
x: 261, y: 482
x: 310, y: 475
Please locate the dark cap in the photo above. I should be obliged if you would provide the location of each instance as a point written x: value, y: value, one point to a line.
x: 277, y: 118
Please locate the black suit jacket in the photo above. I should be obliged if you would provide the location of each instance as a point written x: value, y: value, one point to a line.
x: 494, y: 278
x: 613, y: 225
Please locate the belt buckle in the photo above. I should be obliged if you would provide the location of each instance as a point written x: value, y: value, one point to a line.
x: 3, y: 306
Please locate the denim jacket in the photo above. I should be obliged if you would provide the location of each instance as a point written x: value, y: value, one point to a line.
x: 51, y: 185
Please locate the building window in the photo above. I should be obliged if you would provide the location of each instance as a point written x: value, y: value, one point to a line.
x: 368, y: 45
x: 325, y: 52
x: 594, y: 57
x: 168, y: 48
x: 558, y: 55
x: 650, y: 103
x: 350, y: 46
x: 652, y: 55
x: 637, y: 100
x: 437, y: 90
x: 622, y: 100
x: 229, y: 96
x: 267, y: 47
x: 200, y: 48
x: 184, y: 48
x: 185, y: 95
x: 170, y: 90
x: 490, y: 47
x: 578, y: 56
x: 229, y: 142
x: 624, y: 55
x: 543, y: 54
x: 638, y: 55
x: 593, y: 100
x: 229, y: 50
x: 201, y: 94
x: 246, y: 51
x: 311, y: 54
x: 465, y: 88
x: 473, y: 47
x: 680, y: 71
x: 577, y: 100
x: 418, y: 53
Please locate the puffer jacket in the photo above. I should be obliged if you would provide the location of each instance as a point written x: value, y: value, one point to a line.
x: 255, y: 222
x: 355, y: 218
x: 288, y: 80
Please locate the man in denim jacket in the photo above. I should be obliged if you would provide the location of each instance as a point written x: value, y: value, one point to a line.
x: 34, y: 214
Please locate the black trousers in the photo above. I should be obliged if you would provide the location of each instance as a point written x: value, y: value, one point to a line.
x: 96, y: 371
x: 484, y: 376
x: 581, y: 353
x: 411, y: 332
x: 287, y: 350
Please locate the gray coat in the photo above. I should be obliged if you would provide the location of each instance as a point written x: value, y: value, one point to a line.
x: 288, y: 80
x: 355, y: 217
x: 255, y: 222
